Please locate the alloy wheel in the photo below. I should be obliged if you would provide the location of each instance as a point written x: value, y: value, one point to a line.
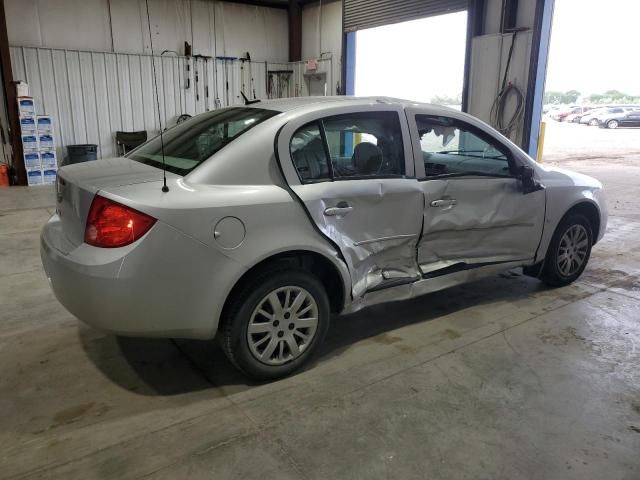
x: 572, y: 251
x: 612, y: 124
x: 283, y: 325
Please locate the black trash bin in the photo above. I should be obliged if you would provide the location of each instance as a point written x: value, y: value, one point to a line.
x: 82, y: 153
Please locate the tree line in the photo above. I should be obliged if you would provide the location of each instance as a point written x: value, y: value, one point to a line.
x: 572, y: 96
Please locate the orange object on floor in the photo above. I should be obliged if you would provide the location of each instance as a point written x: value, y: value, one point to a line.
x: 4, y: 175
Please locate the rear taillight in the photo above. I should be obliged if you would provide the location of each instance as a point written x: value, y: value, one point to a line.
x: 111, y: 224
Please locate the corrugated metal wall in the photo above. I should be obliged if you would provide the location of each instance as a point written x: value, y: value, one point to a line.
x: 91, y: 95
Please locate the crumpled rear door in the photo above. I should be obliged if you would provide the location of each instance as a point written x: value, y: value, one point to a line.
x: 375, y: 223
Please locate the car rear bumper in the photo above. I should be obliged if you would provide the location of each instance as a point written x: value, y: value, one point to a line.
x: 163, y: 285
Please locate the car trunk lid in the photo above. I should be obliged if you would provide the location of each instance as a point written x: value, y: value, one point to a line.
x: 77, y: 184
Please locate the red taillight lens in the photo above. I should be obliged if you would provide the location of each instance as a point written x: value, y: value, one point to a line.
x: 110, y: 224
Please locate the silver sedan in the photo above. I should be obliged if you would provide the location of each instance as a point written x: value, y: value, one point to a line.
x: 282, y: 213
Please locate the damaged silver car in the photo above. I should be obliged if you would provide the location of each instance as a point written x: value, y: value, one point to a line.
x: 282, y: 213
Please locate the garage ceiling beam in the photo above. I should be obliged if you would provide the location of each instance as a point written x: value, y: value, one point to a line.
x: 283, y: 4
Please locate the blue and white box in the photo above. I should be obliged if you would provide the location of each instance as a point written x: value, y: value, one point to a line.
x: 34, y: 176
x: 26, y: 107
x: 29, y: 143
x: 32, y: 160
x: 49, y: 176
x: 46, y: 142
x: 48, y: 159
x: 44, y: 124
x: 28, y: 125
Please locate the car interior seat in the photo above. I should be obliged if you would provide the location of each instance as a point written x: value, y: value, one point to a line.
x: 311, y: 160
x: 367, y: 158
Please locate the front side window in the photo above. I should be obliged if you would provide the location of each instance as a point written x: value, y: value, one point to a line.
x: 355, y: 145
x: 452, y: 148
x: 189, y: 144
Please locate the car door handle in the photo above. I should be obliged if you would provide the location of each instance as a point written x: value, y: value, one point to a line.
x: 341, y: 209
x: 444, y: 202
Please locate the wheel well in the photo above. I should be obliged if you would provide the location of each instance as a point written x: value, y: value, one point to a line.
x: 590, y: 211
x: 307, y: 261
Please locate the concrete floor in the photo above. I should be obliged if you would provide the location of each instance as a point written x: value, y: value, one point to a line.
x: 501, y: 379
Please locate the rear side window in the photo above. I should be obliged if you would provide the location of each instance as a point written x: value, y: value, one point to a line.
x: 357, y: 145
x: 189, y: 144
x: 309, y: 154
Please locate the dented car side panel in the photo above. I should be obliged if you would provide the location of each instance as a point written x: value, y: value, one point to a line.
x: 491, y: 221
x: 378, y: 235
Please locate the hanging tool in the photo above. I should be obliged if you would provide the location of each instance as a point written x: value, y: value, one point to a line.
x: 205, y: 61
x: 225, y: 63
x: 248, y: 74
x: 252, y: 83
x: 242, y: 85
x: 282, y: 78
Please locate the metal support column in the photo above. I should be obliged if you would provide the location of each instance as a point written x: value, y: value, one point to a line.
x: 349, y: 63
x: 10, y: 96
x: 537, y: 75
x: 295, y: 31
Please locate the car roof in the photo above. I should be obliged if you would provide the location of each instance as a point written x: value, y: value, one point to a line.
x: 308, y: 104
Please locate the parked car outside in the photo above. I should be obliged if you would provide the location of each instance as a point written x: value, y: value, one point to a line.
x: 562, y: 112
x: 283, y: 213
x: 564, y: 115
x: 629, y: 118
x: 576, y: 116
x: 611, y: 113
x: 590, y: 117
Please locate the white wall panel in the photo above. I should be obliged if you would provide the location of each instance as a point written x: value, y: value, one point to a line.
x: 328, y: 39
x: 121, y: 26
x: 92, y: 95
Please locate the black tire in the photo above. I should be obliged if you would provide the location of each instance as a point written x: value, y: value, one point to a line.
x: 552, y: 273
x: 234, y: 334
x: 612, y: 124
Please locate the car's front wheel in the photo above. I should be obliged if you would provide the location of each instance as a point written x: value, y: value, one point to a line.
x: 275, y: 323
x: 593, y: 122
x: 612, y: 124
x: 568, y: 251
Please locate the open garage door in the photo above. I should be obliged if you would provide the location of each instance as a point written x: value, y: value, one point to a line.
x: 361, y: 14
x: 414, y: 50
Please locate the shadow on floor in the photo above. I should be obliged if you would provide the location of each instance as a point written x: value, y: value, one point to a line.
x: 171, y: 367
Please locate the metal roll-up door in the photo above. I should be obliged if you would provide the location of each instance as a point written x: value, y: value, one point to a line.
x: 360, y: 14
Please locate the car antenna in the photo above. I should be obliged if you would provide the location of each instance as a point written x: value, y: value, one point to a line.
x: 165, y: 189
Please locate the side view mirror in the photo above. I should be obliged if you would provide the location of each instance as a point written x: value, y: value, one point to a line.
x: 529, y: 183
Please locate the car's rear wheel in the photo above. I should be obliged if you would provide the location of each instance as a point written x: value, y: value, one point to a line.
x: 612, y: 124
x: 275, y: 323
x: 568, y: 251
x: 593, y: 122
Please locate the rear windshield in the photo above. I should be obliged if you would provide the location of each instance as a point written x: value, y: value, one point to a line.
x: 189, y: 144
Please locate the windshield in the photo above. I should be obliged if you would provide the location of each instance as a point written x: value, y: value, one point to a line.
x: 189, y: 144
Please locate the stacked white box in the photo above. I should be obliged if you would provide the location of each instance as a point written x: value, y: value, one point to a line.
x: 28, y: 125
x: 32, y: 160
x: 48, y: 159
x: 49, y: 176
x: 30, y: 143
x: 26, y: 107
x: 44, y: 124
x: 34, y: 176
x: 46, y: 142
x: 38, y: 144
